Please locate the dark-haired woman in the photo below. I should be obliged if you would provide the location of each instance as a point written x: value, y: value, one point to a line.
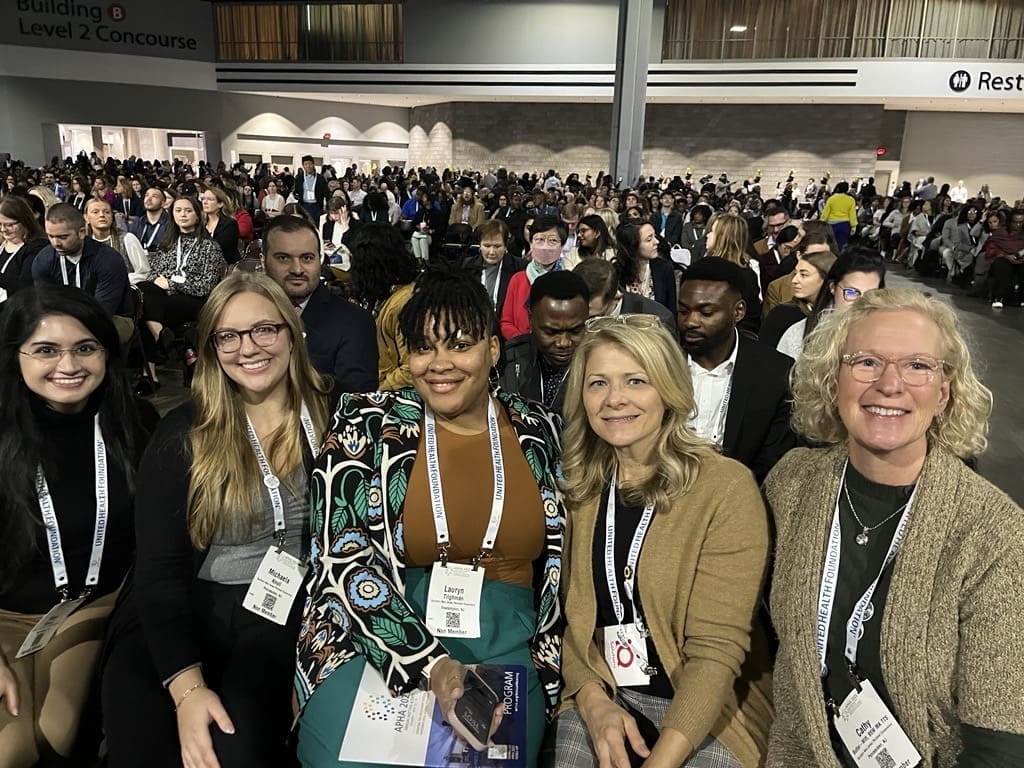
x: 853, y: 274
x: 22, y: 238
x: 383, y: 273
x: 840, y: 212
x: 641, y: 269
x: 592, y: 239
x: 183, y: 271
x: 381, y: 536
x: 958, y: 245
x: 71, y: 439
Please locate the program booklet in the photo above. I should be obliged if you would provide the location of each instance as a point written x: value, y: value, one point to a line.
x: 409, y: 729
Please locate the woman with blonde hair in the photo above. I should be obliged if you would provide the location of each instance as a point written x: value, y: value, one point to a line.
x: 45, y: 194
x: 898, y: 588
x: 728, y: 238
x: 668, y: 544
x: 222, y: 531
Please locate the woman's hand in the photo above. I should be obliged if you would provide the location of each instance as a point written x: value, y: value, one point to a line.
x: 8, y: 687
x: 446, y: 682
x: 161, y: 282
x: 194, y: 717
x: 610, y: 728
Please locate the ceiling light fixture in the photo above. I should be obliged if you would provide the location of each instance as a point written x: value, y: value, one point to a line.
x: 738, y: 28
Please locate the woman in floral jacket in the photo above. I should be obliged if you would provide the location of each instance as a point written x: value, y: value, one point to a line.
x: 411, y: 488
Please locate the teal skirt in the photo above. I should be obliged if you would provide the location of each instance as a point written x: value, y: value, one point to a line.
x: 507, y: 623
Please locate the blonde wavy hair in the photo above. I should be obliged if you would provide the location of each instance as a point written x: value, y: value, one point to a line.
x: 962, y: 428
x: 731, y: 236
x: 676, y: 458
x: 223, y: 493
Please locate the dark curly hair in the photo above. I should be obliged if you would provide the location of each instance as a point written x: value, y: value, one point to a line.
x: 380, y: 262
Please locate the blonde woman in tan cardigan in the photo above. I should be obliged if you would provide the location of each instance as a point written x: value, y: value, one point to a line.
x: 898, y: 585
x: 667, y: 550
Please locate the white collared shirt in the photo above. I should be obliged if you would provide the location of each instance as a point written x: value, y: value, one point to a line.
x: 710, y: 392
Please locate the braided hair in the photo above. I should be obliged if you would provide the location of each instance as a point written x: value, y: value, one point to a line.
x: 452, y: 299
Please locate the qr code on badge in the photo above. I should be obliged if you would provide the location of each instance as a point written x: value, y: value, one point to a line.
x: 269, y: 601
x: 452, y: 620
x: 884, y: 759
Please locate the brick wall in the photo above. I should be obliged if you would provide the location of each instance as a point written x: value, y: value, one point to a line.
x: 709, y: 138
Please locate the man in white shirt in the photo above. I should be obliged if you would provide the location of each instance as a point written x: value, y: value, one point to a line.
x: 958, y: 194
x: 740, y: 386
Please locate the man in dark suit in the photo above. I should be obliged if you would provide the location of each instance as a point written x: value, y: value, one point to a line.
x: 341, y: 337
x: 740, y: 386
x: 311, y: 189
x: 495, y: 263
x: 666, y: 221
x: 537, y: 363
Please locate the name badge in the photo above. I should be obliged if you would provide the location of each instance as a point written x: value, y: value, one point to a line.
x: 625, y: 650
x: 870, y: 731
x: 178, y: 278
x: 275, y: 585
x: 44, y: 630
x: 310, y: 196
x: 453, y: 602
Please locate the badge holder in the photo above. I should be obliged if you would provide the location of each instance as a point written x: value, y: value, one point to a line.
x: 869, y: 730
x: 178, y: 278
x: 44, y: 630
x: 276, y: 584
x: 453, y: 601
x: 625, y: 651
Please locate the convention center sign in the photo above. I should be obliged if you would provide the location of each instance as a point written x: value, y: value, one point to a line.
x: 182, y: 29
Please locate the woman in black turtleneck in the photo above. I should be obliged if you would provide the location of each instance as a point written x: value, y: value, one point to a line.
x: 67, y: 408
x: 183, y: 271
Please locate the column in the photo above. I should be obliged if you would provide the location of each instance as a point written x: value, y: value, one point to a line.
x: 631, y: 61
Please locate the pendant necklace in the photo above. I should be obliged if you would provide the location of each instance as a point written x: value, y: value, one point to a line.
x: 862, y: 537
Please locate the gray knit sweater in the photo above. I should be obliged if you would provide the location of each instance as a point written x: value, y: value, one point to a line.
x: 952, y: 637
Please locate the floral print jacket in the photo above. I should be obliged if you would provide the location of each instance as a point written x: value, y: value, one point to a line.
x: 356, y: 602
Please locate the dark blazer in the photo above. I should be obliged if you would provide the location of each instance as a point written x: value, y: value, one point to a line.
x: 16, y: 268
x: 509, y: 266
x: 142, y: 230
x: 635, y: 304
x: 320, y: 188
x: 342, y: 342
x: 521, y: 374
x: 131, y: 207
x: 226, y: 235
x: 757, y: 429
x: 103, y: 274
x: 696, y: 244
x: 673, y: 226
x: 663, y: 275
x: 327, y: 231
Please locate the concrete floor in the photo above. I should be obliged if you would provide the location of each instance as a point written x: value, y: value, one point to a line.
x: 998, y: 343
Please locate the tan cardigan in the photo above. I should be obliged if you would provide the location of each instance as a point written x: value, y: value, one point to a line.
x: 700, y: 575
x: 952, y: 641
x: 393, y: 367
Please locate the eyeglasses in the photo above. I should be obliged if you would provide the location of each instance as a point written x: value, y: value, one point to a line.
x: 636, y: 320
x: 262, y: 335
x: 53, y: 354
x: 852, y: 294
x: 545, y: 241
x: 914, y: 371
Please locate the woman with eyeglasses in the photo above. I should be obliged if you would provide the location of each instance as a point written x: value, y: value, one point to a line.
x: 898, y: 585
x: 203, y: 650
x: 663, y: 662
x: 445, y: 484
x: 546, y: 239
x: 860, y: 269
x: 70, y: 444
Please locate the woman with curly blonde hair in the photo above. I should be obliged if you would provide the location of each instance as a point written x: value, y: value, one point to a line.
x: 668, y: 546
x: 899, y: 572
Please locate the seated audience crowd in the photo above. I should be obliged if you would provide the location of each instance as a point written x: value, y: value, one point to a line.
x: 673, y: 451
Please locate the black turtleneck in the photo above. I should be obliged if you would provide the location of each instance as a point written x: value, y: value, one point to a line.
x: 69, y: 466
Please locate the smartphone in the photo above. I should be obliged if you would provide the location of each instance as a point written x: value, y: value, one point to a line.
x: 475, y: 710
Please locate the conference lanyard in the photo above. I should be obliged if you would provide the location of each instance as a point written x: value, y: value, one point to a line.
x: 126, y: 203
x: 830, y: 576
x: 718, y: 438
x: 632, y: 558
x: 497, y: 283
x: 8, y: 262
x: 64, y: 272
x: 270, y: 480
x: 153, y: 234
x: 179, y: 261
x: 53, y: 540
x: 437, y: 497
